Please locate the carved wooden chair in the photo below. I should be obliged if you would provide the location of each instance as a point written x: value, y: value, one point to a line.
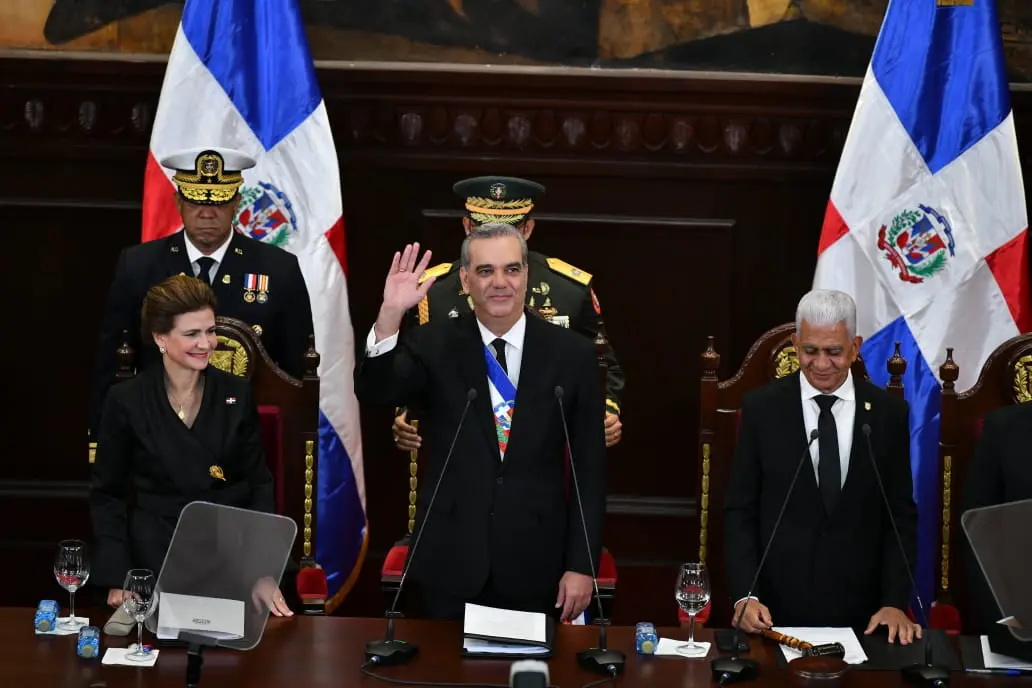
x: 1005, y: 378
x: 289, y: 413
x: 772, y: 356
x: 394, y: 563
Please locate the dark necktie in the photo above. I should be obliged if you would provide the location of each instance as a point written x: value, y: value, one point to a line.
x: 829, y: 471
x: 205, y: 263
x: 499, y: 348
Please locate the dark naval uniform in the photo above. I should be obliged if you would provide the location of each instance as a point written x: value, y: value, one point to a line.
x: 556, y: 290
x: 259, y: 284
x: 281, y: 314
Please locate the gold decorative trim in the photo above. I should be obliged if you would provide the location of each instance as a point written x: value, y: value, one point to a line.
x: 309, y: 478
x: 424, y: 310
x: 93, y: 452
x: 704, y: 507
x: 231, y: 360
x: 947, y: 495
x: 786, y: 362
x: 413, y: 482
x: 1023, y: 380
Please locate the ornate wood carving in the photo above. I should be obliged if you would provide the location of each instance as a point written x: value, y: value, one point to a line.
x: 567, y: 114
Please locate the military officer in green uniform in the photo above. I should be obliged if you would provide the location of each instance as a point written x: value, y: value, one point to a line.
x: 558, y: 291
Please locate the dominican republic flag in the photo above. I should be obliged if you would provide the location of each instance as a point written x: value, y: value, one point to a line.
x: 240, y: 76
x: 926, y: 227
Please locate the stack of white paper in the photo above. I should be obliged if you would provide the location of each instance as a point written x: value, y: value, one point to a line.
x: 212, y: 617
x: 994, y: 660
x: 488, y: 630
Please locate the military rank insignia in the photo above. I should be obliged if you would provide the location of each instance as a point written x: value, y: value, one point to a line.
x: 216, y: 472
x: 256, y: 288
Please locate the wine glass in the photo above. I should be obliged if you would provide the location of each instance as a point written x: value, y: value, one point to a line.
x: 692, y: 594
x: 71, y: 569
x: 138, y: 599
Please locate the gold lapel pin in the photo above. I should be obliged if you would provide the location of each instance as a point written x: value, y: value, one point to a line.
x: 238, y: 251
x: 216, y: 472
x: 225, y: 279
x: 867, y: 406
x: 175, y: 249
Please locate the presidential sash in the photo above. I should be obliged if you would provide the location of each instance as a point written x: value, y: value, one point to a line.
x: 503, y: 411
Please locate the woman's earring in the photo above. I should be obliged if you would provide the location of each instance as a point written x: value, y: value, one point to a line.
x: 162, y: 350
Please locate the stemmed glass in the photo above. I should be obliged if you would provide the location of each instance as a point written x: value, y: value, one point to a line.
x: 138, y: 600
x: 692, y: 594
x: 71, y: 569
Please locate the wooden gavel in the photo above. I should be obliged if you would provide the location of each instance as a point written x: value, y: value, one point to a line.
x: 808, y: 649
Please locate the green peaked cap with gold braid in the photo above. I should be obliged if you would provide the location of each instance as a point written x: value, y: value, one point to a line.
x: 499, y: 199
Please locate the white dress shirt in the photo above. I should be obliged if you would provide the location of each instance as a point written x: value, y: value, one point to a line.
x: 193, y: 253
x: 843, y: 410
x: 514, y: 339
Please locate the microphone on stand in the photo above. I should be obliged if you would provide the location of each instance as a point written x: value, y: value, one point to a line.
x: 926, y: 674
x: 734, y: 669
x: 599, y: 659
x: 388, y: 652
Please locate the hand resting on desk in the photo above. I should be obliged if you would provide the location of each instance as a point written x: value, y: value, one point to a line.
x: 898, y: 625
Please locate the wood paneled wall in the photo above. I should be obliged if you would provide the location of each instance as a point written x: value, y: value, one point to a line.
x: 696, y: 201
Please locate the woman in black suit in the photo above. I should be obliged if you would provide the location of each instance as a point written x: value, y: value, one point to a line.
x: 178, y: 432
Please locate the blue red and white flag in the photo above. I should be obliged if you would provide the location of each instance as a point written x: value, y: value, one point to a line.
x: 240, y: 76
x: 926, y: 226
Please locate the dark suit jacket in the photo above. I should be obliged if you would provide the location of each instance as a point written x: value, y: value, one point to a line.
x: 285, y: 318
x: 508, y: 518
x: 1000, y: 472
x: 547, y: 289
x: 149, y: 465
x: 822, y: 570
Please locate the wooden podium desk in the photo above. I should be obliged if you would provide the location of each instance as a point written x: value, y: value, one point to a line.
x: 318, y: 652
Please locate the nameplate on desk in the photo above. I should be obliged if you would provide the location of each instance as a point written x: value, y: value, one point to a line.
x: 493, y: 631
x: 214, y: 617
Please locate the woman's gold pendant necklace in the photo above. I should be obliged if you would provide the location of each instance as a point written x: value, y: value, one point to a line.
x: 175, y: 402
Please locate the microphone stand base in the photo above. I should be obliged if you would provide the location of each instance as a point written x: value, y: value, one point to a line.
x: 390, y: 652
x: 733, y: 670
x: 602, y: 661
x: 926, y: 675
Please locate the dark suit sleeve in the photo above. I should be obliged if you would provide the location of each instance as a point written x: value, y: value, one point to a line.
x: 899, y: 488
x: 109, y: 488
x: 253, y: 457
x: 590, y: 325
x: 299, y: 323
x: 118, y: 316
x: 408, y: 324
x: 588, y: 449
x: 396, y: 377
x: 984, y: 487
x: 742, y: 506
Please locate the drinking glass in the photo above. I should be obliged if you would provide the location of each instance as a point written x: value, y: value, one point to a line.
x: 138, y: 599
x: 71, y: 569
x: 692, y: 594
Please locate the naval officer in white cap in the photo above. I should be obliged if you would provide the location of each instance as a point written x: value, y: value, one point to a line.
x: 253, y: 281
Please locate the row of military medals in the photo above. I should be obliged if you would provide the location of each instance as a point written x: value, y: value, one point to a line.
x: 256, y: 288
